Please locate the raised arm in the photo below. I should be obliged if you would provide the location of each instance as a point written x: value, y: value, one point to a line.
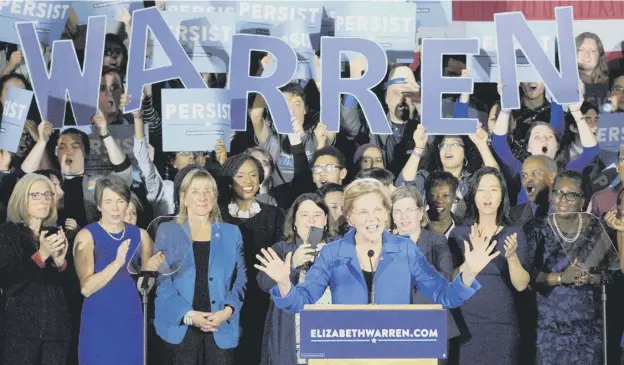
x: 90, y: 281
x: 121, y: 163
x: 293, y: 298
x: 410, y: 170
x: 37, y: 154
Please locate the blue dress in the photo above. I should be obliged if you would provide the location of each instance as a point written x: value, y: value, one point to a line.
x: 491, y: 335
x: 111, y: 329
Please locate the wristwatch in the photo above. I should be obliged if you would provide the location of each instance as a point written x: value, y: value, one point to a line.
x: 105, y: 136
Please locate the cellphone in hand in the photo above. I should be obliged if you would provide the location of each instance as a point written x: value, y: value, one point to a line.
x: 315, y: 236
x: 51, y: 231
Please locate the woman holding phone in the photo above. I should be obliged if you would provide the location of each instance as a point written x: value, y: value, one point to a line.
x: 33, y: 276
x: 357, y: 258
x: 306, y: 229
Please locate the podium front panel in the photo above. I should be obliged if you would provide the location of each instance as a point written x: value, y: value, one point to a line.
x: 365, y: 333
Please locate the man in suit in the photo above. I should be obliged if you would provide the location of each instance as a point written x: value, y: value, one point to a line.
x: 538, y: 176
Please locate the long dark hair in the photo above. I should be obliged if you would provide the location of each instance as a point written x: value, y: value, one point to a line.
x: 290, y: 234
x: 431, y: 160
x: 472, y: 213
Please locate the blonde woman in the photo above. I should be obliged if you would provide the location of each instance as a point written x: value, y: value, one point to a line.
x: 33, y: 276
x: 346, y: 262
x: 198, y: 307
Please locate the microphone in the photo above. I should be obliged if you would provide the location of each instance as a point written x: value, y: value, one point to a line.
x: 371, y: 295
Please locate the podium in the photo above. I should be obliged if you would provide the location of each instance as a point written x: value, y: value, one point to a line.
x: 337, y: 334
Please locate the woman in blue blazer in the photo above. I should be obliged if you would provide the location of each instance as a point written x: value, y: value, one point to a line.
x: 397, y: 262
x: 197, y: 308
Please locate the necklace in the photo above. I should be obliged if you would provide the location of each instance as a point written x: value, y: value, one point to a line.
x: 236, y: 212
x: 563, y: 237
x: 123, y: 233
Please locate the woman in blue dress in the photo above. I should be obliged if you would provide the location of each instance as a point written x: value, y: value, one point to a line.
x: 111, y: 328
x: 492, y: 336
x: 569, y: 323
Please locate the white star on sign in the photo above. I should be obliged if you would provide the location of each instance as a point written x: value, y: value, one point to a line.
x: 374, y: 340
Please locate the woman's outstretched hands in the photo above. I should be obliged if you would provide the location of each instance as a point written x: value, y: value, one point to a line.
x: 479, y: 256
x: 274, y: 267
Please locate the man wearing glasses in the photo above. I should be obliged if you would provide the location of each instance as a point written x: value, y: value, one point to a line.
x: 328, y: 166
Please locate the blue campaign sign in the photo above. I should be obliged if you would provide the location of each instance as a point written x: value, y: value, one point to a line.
x: 14, y: 115
x: 391, y: 24
x: 114, y: 11
x: 49, y: 17
x: 206, y: 39
x: 295, y: 34
x: 433, y: 13
x: 258, y: 17
x: 611, y: 131
x: 201, y: 6
x: 194, y: 120
x: 373, y: 334
x: 484, y: 66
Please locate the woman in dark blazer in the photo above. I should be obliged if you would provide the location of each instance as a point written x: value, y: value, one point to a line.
x: 409, y: 219
x: 280, y: 345
x: 346, y: 267
x: 198, y: 307
x: 34, y: 277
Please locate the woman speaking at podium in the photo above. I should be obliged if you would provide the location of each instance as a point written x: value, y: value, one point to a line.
x: 370, y: 265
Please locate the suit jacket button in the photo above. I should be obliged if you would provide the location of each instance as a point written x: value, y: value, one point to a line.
x: 211, y: 279
x: 213, y: 302
x: 217, y: 235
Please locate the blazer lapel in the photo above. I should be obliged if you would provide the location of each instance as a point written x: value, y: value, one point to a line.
x: 388, y: 249
x: 215, y: 234
x: 347, y: 251
x: 189, y: 291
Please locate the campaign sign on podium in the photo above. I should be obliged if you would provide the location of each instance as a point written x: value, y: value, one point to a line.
x: 369, y: 333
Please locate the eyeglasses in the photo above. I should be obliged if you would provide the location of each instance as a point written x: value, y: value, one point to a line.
x: 570, y: 197
x: 48, y: 195
x: 325, y: 168
x: 365, y: 213
x: 450, y: 145
x: 618, y: 88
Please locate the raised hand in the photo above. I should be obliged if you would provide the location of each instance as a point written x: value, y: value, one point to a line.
x: 44, y: 130
x: 221, y: 152
x: 420, y: 138
x: 274, y: 267
x: 16, y: 59
x: 477, y: 258
x: 464, y: 97
x: 154, y: 262
x: 511, y: 245
x: 71, y: 224
x: 320, y: 131
x: 99, y: 123
x: 303, y: 254
x: 615, y: 223
x: 357, y: 66
x: 480, y: 136
x: 122, y: 253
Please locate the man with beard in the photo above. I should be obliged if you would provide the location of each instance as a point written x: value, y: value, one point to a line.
x: 109, y: 102
x: 537, y: 177
x: 401, y: 97
x: 72, y: 149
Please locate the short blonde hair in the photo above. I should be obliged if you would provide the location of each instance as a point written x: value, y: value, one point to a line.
x: 362, y: 187
x: 17, y: 211
x: 215, y: 214
x: 410, y: 191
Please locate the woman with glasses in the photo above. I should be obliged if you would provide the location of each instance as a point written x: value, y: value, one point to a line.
x: 261, y: 226
x: 490, y: 315
x: 281, y: 335
x: 569, y: 324
x: 347, y: 264
x: 111, y: 329
x: 33, y: 276
x: 459, y: 155
x: 198, y: 307
x: 409, y: 219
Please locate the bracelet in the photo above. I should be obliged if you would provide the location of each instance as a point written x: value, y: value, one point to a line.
x: 559, y: 279
x: 416, y: 153
x: 105, y: 136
